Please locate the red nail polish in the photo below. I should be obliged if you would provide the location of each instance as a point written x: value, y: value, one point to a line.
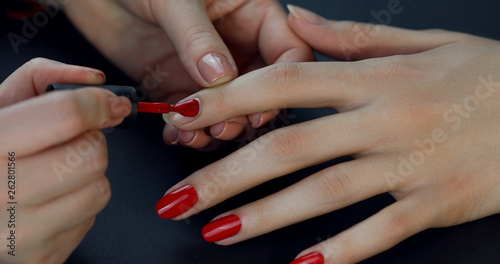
x: 311, y: 258
x: 177, y: 202
x: 222, y: 228
x: 189, y: 108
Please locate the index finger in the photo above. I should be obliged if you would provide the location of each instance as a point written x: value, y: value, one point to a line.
x: 283, y: 85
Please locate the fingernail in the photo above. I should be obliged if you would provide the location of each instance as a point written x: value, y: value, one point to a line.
x: 189, y: 108
x: 177, y: 202
x: 222, y: 228
x: 187, y: 136
x: 193, y: 106
x: 311, y: 258
x: 216, y: 69
x: 97, y: 73
x: 259, y: 119
x: 227, y: 131
x: 306, y: 15
x: 120, y: 107
x: 171, y: 134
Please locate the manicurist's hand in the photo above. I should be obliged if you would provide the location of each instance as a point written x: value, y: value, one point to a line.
x: 418, y: 110
x: 175, y: 48
x: 52, y: 159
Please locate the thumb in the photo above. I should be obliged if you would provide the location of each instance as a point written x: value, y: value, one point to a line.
x: 200, y: 48
x: 33, y: 77
x: 348, y: 40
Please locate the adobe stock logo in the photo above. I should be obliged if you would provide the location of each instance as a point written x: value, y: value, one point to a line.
x: 34, y: 19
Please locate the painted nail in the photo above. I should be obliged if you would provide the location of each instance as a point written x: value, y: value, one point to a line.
x: 177, y: 202
x: 189, y: 108
x: 227, y: 131
x: 306, y: 15
x: 177, y: 119
x: 171, y: 134
x: 216, y: 69
x: 311, y: 258
x: 120, y: 107
x: 222, y: 228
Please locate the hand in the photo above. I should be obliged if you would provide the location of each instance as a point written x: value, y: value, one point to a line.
x: 52, y: 151
x: 418, y: 111
x: 173, y: 48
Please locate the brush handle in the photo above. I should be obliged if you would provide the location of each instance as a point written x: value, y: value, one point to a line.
x: 135, y: 95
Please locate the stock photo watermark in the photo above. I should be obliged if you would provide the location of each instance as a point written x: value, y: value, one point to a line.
x: 453, y: 118
x: 11, y: 204
x: 31, y: 26
x: 364, y: 36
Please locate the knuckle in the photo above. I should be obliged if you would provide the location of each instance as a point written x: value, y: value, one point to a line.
x: 335, y: 186
x: 67, y: 108
x: 105, y: 190
x: 398, y: 225
x: 396, y: 69
x: 283, y: 77
x: 198, y: 35
x: 99, y: 162
x: 286, y: 145
x: 354, y: 26
x: 37, y: 62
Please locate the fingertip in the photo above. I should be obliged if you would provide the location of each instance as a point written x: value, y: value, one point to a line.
x: 95, y: 76
x: 171, y: 135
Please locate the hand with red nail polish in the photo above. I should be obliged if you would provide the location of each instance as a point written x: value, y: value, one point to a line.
x: 418, y: 111
x: 180, y: 47
x: 52, y: 159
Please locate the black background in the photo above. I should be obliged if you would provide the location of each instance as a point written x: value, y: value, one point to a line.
x: 142, y: 167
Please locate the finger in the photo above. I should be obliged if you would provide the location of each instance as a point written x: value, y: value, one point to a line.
x: 259, y: 119
x: 378, y: 233
x: 277, y: 42
x: 171, y: 135
x: 323, y: 192
x: 231, y: 129
x: 330, y: 84
x: 201, y: 49
x: 54, y: 118
x: 275, y: 154
x: 32, y: 79
x: 73, y: 209
x: 347, y: 40
x: 197, y: 139
x: 64, y: 169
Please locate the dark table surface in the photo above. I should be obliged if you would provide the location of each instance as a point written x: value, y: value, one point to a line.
x: 142, y: 167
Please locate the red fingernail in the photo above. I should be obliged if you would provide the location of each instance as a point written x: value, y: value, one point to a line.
x: 311, y: 258
x: 189, y: 108
x: 177, y: 202
x: 222, y: 228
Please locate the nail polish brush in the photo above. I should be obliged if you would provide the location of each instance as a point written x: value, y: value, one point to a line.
x: 137, y: 95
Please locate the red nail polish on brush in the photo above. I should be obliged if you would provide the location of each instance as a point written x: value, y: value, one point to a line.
x: 177, y: 202
x: 311, y: 258
x: 189, y: 108
x: 222, y: 228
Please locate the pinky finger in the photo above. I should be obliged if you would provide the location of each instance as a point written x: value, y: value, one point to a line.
x: 374, y: 235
